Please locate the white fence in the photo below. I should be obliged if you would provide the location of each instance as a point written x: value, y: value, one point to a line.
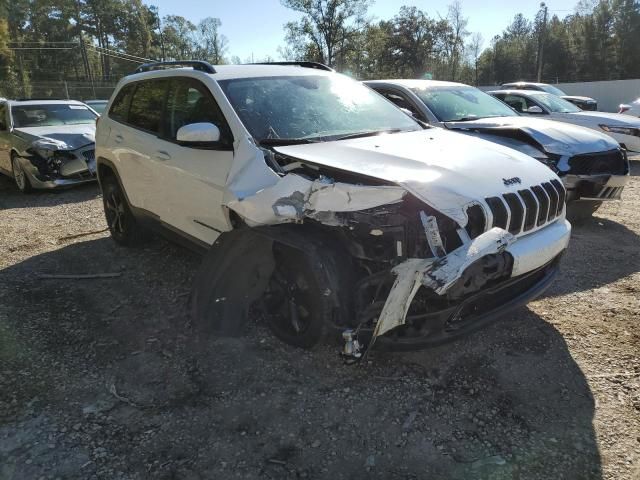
x: 609, y: 94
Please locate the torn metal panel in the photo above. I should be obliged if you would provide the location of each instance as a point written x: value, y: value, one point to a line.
x: 437, y: 275
x: 294, y: 197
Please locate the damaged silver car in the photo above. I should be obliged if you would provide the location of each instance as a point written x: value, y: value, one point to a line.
x: 323, y: 208
x: 47, y: 143
x: 593, y: 166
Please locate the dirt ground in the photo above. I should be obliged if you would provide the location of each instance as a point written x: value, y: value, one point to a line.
x: 98, y: 379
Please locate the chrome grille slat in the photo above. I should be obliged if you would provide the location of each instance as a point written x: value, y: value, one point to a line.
x: 528, y: 208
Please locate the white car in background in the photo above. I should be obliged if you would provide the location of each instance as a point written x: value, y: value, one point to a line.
x: 592, y: 165
x: 632, y: 108
x: 585, y: 103
x: 624, y: 128
x: 47, y: 144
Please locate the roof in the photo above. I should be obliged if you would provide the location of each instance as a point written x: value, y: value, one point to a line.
x: 519, y: 92
x: 525, y: 83
x: 415, y: 83
x: 226, y: 72
x: 44, y: 102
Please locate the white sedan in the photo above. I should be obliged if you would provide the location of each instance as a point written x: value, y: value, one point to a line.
x: 624, y: 128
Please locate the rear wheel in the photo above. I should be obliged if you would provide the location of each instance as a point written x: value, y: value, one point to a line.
x: 123, y: 226
x: 19, y: 175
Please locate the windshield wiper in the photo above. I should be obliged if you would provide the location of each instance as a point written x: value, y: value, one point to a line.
x: 279, y: 142
x: 370, y: 133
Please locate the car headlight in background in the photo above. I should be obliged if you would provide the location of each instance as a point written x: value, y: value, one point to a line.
x: 621, y: 129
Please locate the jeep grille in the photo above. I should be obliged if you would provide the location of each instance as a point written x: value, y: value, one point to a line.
x: 530, y: 207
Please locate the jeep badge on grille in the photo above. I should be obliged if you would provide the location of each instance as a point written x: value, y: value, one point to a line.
x: 511, y: 181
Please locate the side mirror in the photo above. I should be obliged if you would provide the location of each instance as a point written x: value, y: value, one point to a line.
x: 198, y: 133
x: 534, y: 109
x: 407, y: 111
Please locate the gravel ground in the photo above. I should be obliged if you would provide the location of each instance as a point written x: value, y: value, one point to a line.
x: 98, y: 380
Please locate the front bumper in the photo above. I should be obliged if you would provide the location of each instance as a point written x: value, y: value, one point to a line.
x: 630, y: 142
x: 77, y: 171
x: 594, y: 187
x: 430, y: 329
x: 534, y: 261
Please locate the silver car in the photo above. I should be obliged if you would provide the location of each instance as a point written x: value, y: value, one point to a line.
x: 47, y: 143
x: 591, y: 164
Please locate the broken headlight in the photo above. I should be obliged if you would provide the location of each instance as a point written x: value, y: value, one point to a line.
x: 621, y: 129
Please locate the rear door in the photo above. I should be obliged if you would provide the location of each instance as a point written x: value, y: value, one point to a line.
x: 5, y: 139
x: 193, y: 178
x: 136, y: 116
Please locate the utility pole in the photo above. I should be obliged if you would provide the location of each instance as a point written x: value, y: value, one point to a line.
x: 541, y: 35
x: 160, y: 34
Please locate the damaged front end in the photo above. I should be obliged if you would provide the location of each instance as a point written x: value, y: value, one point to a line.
x: 375, y: 260
x: 52, y: 163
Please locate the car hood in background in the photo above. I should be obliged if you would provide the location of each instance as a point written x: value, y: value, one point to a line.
x: 554, y: 137
x: 72, y: 136
x: 606, y: 118
x: 445, y: 169
x: 579, y: 99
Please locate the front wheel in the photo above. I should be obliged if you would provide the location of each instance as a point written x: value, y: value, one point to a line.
x: 123, y: 226
x: 19, y: 175
x: 297, y: 311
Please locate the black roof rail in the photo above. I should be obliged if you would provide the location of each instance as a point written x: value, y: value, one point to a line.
x: 316, y: 65
x: 27, y: 99
x: 199, y: 65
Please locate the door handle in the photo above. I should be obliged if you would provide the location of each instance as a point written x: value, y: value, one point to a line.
x: 118, y: 138
x: 162, y: 155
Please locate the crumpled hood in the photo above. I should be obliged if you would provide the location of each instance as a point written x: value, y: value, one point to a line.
x: 63, y: 137
x: 609, y: 118
x: 554, y: 137
x: 445, y: 169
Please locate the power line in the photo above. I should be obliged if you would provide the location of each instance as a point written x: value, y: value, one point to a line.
x: 121, y: 53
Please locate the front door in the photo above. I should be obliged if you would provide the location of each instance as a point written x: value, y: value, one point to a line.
x: 193, y: 178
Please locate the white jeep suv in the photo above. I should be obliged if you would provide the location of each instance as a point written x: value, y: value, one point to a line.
x: 324, y: 206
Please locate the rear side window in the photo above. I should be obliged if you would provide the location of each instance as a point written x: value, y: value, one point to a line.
x: 120, y: 106
x: 3, y: 117
x: 147, y: 105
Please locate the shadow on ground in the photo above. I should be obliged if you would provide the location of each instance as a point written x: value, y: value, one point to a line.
x: 11, y: 197
x: 99, y: 377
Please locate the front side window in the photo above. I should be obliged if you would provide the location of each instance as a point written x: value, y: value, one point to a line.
x: 460, y: 103
x: 556, y: 104
x: 518, y: 103
x: 552, y: 90
x: 120, y: 106
x: 317, y: 108
x: 50, y: 115
x: 147, y: 105
x: 189, y: 101
x: 400, y: 101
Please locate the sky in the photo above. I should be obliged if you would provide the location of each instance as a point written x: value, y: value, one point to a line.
x: 254, y: 27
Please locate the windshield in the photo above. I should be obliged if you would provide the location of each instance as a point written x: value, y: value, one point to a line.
x: 98, y: 106
x: 556, y: 104
x: 458, y: 103
x: 51, y: 115
x: 312, y: 107
x: 553, y: 90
